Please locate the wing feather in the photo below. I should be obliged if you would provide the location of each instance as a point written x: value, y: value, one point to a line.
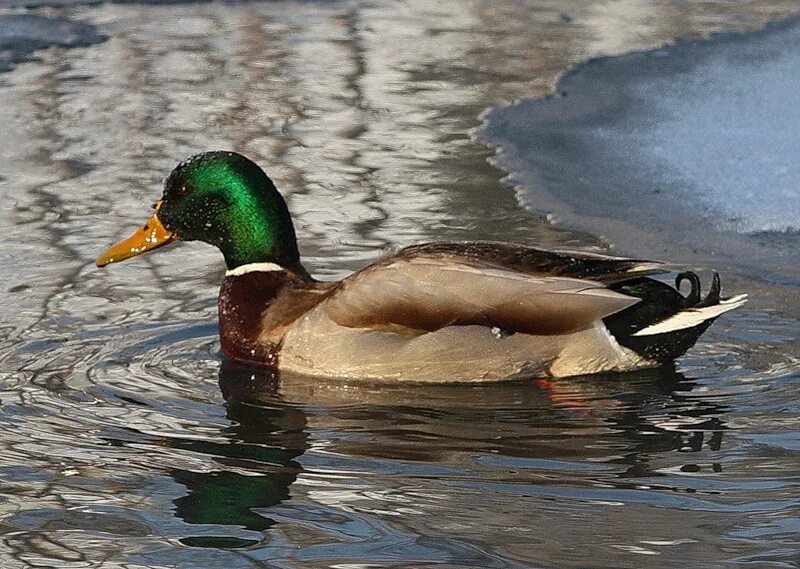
x: 426, y: 293
x: 562, y: 263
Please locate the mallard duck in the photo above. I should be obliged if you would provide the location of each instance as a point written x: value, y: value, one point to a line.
x: 473, y: 311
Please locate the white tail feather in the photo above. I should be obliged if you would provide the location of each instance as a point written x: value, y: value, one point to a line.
x: 692, y: 317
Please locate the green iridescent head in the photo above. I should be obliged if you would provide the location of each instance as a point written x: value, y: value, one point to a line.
x: 225, y: 199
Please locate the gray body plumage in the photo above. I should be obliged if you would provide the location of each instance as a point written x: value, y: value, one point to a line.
x: 474, y: 312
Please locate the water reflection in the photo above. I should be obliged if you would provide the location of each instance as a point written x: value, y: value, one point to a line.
x: 599, y: 430
x: 228, y: 498
x: 261, y: 446
x: 637, y: 414
x: 310, y: 462
x: 254, y: 457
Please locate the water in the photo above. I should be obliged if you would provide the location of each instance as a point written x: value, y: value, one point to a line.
x: 692, y: 148
x: 128, y: 441
x: 21, y: 35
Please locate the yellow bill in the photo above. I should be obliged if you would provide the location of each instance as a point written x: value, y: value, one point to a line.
x: 148, y: 237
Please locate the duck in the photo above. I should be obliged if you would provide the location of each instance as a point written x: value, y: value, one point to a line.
x: 432, y: 312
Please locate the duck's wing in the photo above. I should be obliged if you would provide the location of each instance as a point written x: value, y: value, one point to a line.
x: 426, y: 292
x: 530, y: 260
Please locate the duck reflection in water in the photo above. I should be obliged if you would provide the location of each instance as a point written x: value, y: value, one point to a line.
x: 264, y: 440
x: 618, y: 419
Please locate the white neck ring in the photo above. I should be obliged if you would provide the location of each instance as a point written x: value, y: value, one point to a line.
x: 253, y: 267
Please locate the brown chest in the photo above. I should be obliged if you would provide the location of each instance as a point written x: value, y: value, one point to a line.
x: 255, y: 309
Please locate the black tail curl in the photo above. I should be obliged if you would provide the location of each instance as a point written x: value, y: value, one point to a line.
x: 693, y: 299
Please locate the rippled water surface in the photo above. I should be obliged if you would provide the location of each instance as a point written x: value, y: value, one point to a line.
x: 127, y: 441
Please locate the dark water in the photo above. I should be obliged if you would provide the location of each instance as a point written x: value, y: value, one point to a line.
x: 128, y: 442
